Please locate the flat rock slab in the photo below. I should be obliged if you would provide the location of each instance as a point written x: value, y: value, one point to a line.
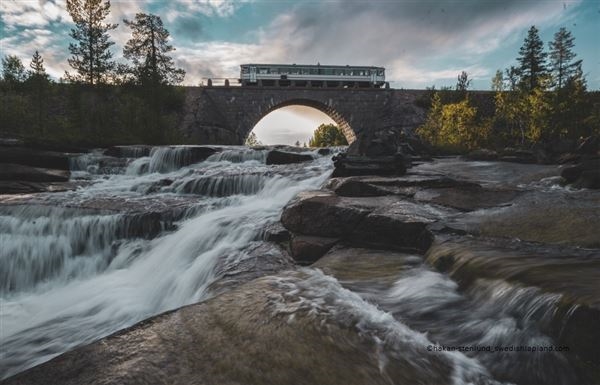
x: 19, y: 172
x: 572, y: 218
x: 364, y: 186
x: 35, y: 158
x: 360, y: 267
x: 376, y: 221
x: 283, y: 157
x: 27, y: 187
x: 468, y: 198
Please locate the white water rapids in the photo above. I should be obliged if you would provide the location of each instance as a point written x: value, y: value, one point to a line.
x: 70, y: 276
x: 145, y: 235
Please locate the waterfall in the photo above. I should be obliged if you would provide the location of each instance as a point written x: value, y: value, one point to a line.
x: 70, y: 275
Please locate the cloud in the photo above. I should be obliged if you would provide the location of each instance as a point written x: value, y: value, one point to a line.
x: 409, y: 38
x: 220, y: 8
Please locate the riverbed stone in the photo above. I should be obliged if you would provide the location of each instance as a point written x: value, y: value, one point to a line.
x: 307, y: 249
x: 348, y: 165
x: 386, y: 221
x: 354, y: 266
x: 321, y: 213
x: 408, y: 185
x: 275, y: 232
x: 19, y: 172
x: 284, y: 157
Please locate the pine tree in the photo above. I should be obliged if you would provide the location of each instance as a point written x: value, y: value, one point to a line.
x: 563, y: 65
x: 463, y: 82
x: 39, y: 79
x: 37, y: 67
x: 532, y: 60
x: 148, y: 49
x: 91, y: 50
x: 13, y: 70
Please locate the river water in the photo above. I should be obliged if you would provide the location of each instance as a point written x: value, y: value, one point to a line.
x: 80, y: 265
x: 70, y: 274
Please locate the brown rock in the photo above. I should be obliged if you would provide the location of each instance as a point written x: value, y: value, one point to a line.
x: 308, y: 249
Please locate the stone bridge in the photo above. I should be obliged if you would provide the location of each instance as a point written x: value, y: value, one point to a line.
x: 227, y: 115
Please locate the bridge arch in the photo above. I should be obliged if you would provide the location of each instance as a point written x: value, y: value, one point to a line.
x: 227, y: 115
x: 328, y: 110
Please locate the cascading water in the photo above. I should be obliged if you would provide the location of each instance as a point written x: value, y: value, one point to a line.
x: 70, y: 275
x: 147, y: 234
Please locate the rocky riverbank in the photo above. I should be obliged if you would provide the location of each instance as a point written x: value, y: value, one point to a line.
x: 366, y: 277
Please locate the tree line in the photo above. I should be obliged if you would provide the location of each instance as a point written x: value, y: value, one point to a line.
x: 540, y: 101
x: 85, y: 109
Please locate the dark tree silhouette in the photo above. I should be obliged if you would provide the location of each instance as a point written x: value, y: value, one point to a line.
x: 532, y: 60
x: 13, y: 70
x: 563, y: 65
x: 148, y: 49
x: 91, y: 50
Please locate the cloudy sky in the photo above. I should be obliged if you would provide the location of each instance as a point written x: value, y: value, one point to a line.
x: 421, y: 43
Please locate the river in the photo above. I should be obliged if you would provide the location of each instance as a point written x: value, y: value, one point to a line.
x: 151, y: 233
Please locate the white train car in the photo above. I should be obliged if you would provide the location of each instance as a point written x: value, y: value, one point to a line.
x: 296, y: 75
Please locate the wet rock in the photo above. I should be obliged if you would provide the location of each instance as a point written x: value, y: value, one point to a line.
x: 349, y: 165
x: 354, y: 187
x: 374, y: 144
x: 401, y: 224
x: 257, y: 260
x: 262, y: 332
x: 307, y: 249
x: 324, y: 151
x: 275, y: 232
x: 467, y: 197
x: 134, y: 151
x: 537, y: 217
x: 25, y: 187
x: 569, y: 272
x: 482, y: 154
x: 364, y: 186
x: 18, y: 172
x: 283, y: 157
x: 354, y: 267
x: 321, y: 213
x: 34, y: 158
x: 381, y: 221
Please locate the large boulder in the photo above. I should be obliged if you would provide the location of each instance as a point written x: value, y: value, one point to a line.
x: 373, y: 153
x: 321, y: 213
x: 284, y: 157
x: 386, y: 222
